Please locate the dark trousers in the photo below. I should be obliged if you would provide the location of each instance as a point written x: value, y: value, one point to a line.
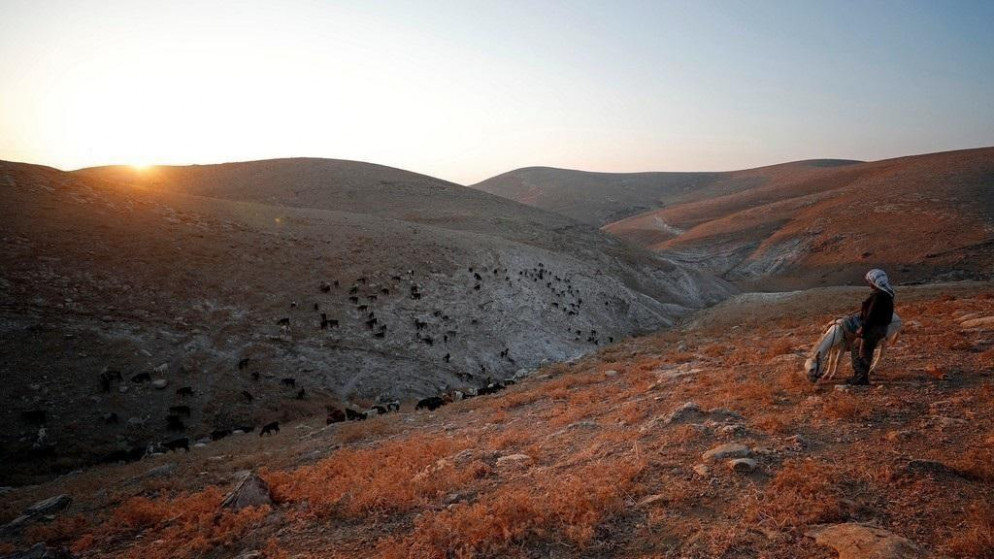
x: 862, y: 353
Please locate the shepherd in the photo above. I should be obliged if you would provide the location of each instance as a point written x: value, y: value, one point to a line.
x: 874, y: 318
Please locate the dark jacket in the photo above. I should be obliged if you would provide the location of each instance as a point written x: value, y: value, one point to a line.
x: 877, y: 311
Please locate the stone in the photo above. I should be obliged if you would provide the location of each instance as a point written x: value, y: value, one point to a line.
x: 160, y: 383
x: 251, y: 554
x: 702, y: 470
x: 122, y: 389
x: 6, y: 489
x: 611, y: 373
x: 15, y: 525
x: 39, y: 551
x: 730, y: 450
x: 982, y: 322
x: 253, y: 491
x: 686, y: 412
x: 742, y: 465
x: 651, y: 499
x: 514, y: 462
x: 858, y: 541
x: 933, y: 467
x: 158, y: 471
x: 48, y: 506
x: 582, y: 425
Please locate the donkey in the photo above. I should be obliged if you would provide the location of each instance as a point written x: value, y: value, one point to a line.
x: 838, y: 338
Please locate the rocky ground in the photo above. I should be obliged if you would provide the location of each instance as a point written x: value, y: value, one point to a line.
x: 701, y: 441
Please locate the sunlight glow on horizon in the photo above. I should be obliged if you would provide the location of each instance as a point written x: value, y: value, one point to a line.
x: 469, y: 90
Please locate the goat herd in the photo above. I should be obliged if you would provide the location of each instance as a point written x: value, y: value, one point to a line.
x: 363, y: 294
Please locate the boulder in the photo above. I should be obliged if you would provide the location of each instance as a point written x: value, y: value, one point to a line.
x: 687, y: 412
x: 983, y: 322
x: 702, y: 470
x: 48, y: 506
x: 160, y: 383
x: 857, y: 541
x: 933, y: 467
x: 742, y: 465
x: 730, y: 450
x: 514, y: 462
x: 253, y: 491
x: 39, y: 551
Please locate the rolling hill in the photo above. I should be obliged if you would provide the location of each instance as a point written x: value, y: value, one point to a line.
x: 795, y: 225
x: 925, y: 217
x: 354, y: 282
x: 603, y: 198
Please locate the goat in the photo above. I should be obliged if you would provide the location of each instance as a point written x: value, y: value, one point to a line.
x: 180, y: 410
x: 110, y: 418
x: 243, y: 364
x: 837, y: 339
x: 431, y: 403
x: 335, y: 415
x: 300, y: 394
x: 353, y: 415
x: 285, y: 321
x: 248, y: 395
x: 142, y: 377
x: 288, y: 381
x: 174, y: 423
x: 184, y: 391
x: 218, y: 434
x: 177, y: 444
x: 325, y: 287
x: 270, y: 428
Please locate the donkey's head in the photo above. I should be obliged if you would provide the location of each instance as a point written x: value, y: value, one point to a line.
x: 813, y: 367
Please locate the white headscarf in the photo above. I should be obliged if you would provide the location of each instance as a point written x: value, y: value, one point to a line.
x: 878, y: 279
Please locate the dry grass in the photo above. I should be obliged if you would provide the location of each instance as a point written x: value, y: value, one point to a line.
x: 561, y: 507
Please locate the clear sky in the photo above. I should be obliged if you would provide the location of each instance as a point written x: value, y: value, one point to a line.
x: 464, y: 90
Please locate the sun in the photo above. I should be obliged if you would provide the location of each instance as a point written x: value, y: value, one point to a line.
x: 140, y: 167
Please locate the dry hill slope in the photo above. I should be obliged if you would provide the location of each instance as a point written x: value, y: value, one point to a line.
x: 182, y: 279
x: 921, y: 217
x: 602, y: 198
x: 606, y: 457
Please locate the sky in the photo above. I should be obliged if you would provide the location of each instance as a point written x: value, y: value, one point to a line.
x: 465, y: 89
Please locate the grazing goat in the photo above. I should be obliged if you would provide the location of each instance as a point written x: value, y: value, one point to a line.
x: 184, y: 391
x: 180, y: 410
x: 353, y: 415
x: 335, y: 415
x: 838, y: 339
x: 142, y: 377
x: 300, y: 394
x: 218, y: 434
x: 270, y: 428
x: 431, y: 403
x: 174, y: 423
x: 243, y: 364
x: 177, y: 444
x: 288, y: 381
x: 248, y: 396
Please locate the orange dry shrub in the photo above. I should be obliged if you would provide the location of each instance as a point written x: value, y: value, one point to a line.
x: 389, y: 478
x: 846, y: 407
x: 57, y: 533
x: 801, y: 493
x: 976, y: 536
x: 561, y: 507
x: 779, y: 347
x: 188, y: 525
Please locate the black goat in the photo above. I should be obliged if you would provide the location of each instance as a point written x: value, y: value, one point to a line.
x: 270, y: 428
x: 184, y: 391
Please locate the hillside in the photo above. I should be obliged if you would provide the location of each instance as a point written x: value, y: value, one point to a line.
x: 923, y: 217
x: 603, y: 198
x: 272, y: 289
x: 605, y: 457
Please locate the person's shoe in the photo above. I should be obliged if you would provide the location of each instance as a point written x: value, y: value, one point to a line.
x: 858, y: 381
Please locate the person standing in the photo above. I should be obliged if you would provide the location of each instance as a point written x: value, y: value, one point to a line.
x: 874, y: 318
